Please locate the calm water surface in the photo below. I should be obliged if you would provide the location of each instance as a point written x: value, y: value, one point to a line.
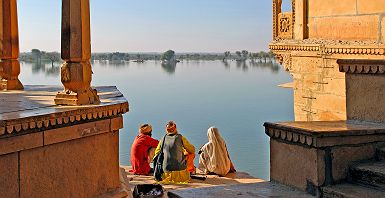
x: 236, y: 98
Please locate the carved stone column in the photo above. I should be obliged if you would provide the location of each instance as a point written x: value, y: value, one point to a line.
x: 9, y: 46
x: 76, y: 72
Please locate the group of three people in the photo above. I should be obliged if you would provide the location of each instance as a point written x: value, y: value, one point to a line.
x: 179, y: 154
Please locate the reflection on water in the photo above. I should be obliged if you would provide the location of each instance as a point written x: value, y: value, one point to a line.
x: 50, y: 69
x: 169, y: 67
x: 236, y: 97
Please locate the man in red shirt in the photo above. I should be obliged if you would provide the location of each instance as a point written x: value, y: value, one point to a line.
x: 142, y: 150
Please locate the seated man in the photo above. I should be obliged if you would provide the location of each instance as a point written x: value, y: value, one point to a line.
x: 142, y: 150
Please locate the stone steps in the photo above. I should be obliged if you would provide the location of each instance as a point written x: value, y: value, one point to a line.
x: 347, y: 190
x: 370, y: 174
x: 366, y: 180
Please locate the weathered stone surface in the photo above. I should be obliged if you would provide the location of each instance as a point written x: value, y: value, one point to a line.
x: 365, y: 94
x: 33, y: 108
x: 9, y: 179
x: 371, y: 173
x: 300, y: 20
x: 380, y: 153
x: 331, y: 8
x: 76, y: 36
x: 19, y: 143
x: 330, y: 102
x: 345, y: 28
x: 116, y: 123
x: 343, y: 157
x: 68, y: 169
x: 262, y: 189
x: 383, y: 29
x: 9, y: 34
x: 351, y: 190
x: 374, y: 6
x: 76, y: 132
x: 295, y: 165
x: 328, y: 134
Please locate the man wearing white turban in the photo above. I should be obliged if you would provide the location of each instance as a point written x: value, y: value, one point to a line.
x: 214, y: 157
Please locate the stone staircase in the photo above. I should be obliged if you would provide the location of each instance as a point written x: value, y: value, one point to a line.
x: 365, y: 180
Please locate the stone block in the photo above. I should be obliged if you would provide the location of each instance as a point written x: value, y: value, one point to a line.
x: 335, y: 86
x: 383, y: 29
x: 296, y: 166
x: 331, y: 8
x: 298, y: 98
x: 364, y: 97
x: 343, y: 157
x: 374, y: 6
x: 330, y: 116
x: 9, y: 176
x: 329, y: 102
x: 19, y: 143
x: 76, y: 131
x: 309, y: 81
x: 116, y: 123
x: 345, y: 28
x: 85, y: 167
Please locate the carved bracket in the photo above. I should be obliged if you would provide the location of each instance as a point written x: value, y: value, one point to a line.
x: 284, y: 60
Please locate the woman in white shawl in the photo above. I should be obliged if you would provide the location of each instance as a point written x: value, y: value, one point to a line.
x: 214, y: 157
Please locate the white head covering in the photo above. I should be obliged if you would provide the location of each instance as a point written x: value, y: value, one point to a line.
x: 215, y: 151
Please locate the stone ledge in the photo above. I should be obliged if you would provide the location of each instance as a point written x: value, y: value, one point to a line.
x: 34, y: 110
x: 326, y: 134
x: 328, y: 47
x: 361, y: 66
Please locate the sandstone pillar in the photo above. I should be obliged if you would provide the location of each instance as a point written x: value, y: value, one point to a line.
x: 76, y: 72
x: 9, y: 46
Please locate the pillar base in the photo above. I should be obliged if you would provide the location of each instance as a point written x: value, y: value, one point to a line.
x: 86, y: 97
x: 11, y: 85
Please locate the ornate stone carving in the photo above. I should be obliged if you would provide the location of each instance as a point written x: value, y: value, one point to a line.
x: 283, y: 23
x: 277, y: 4
x: 284, y: 60
x: 362, y: 66
x: 285, y: 26
x: 330, y: 49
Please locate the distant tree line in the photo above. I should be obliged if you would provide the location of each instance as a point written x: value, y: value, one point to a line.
x: 40, y: 56
x: 37, y: 55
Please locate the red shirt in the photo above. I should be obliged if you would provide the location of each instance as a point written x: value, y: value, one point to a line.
x: 139, y: 153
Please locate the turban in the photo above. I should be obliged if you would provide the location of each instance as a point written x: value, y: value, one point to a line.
x: 145, y: 129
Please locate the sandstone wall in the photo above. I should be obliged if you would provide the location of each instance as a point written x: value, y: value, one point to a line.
x: 347, y: 19
x: 74, y: 161
x: 325, y: 31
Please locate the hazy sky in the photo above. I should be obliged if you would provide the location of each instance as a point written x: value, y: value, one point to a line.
x: 154, y: 25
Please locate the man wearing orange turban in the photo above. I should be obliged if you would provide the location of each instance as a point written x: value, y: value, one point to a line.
x: 179, y: 154
x: 142, y: 150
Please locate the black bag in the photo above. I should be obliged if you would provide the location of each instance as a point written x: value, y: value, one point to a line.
x: 158, y: 163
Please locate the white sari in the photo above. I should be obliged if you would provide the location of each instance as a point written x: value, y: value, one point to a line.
x: 214, y: 157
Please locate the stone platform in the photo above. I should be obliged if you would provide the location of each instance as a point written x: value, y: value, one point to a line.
x: 233, y: 185
x: 312, y: 155
x: 53, y: 151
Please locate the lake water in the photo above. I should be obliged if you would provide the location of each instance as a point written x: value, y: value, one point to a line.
x: 236, y: 98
